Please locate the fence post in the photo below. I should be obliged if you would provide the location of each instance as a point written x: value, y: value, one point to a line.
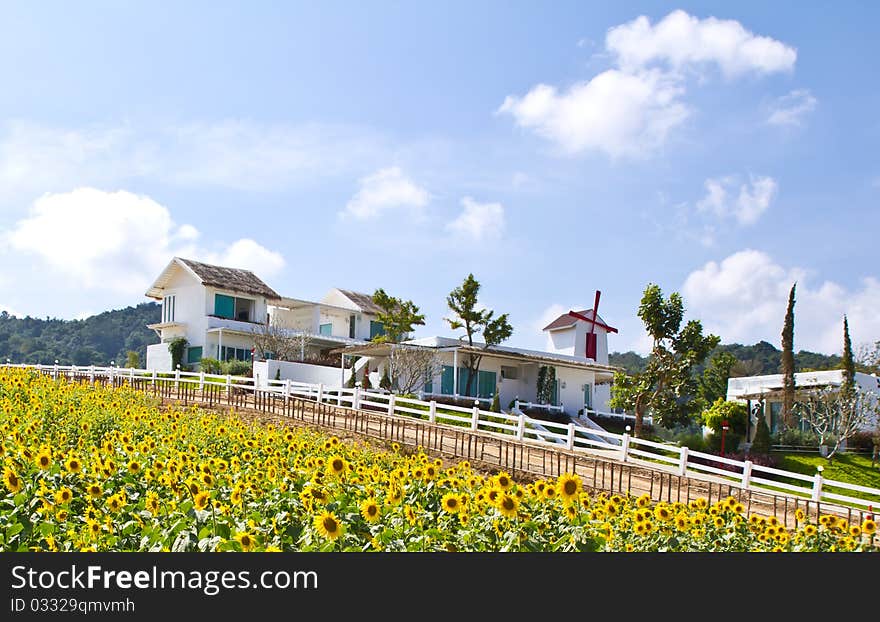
x: 55, y: 371
x: 432, y: 412
x: 92, y: 374
x: 320, y: 392
x: 570, y: 441
x: 624, y: 445
x: 287, y: 390
x: 817, y: 484
x: 110, y: 375
x: 516, y: 404
x: 228, y: 385
x: 176, y: 377
x: 202, y: 382
x: 391, y: 405
x: 476, y: 418
x: 747, y: 474
x: 154, y: 378
x: 131, y: 376
x: 356, y: 399
x: 520, y: 426
x: 683, y: 461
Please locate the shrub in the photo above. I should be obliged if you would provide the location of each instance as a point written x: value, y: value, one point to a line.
x: 278, y: 374
x: 796, y: 437
x: 237, y: 368
x: 365, y: 383
x: 209, y: 365
x: 694, y: 442
x: 862, y: 442
x: 761, y: 442
x: 385, y: 382
x: 132, y: 359
x: 496, y: 404
x: 177, y: 347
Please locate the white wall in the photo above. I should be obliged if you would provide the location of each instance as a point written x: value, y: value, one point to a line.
x: 573, y: 342
x: 305, y: 372
x: 189, y: 307
x: 158, y: 357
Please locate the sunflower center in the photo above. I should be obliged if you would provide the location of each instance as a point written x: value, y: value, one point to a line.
x: 330, y: 524
x: 570, y: 487
x: 508, y: 504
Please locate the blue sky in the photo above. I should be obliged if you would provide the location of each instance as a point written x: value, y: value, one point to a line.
x: 720, y: 150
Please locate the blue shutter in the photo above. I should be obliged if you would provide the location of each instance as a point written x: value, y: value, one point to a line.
x: 446, y: 380
x: 224, y: 306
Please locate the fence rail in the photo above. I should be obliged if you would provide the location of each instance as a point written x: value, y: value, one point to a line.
x: 676, y: 460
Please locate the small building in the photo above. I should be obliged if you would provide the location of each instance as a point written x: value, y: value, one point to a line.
x: 219, y: 310
x: 767, y: 391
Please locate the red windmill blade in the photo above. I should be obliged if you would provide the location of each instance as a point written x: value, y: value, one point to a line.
x: 591, y: 348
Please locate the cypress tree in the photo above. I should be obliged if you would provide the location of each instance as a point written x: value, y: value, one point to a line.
x: 849, y: 365
x: 761, y: 442
x: 788, y: 387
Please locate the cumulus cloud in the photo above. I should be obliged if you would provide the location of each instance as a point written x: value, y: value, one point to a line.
x: 630, y: 109
x: 118, y: 241
x: 743, y: 298
x: 479, y: 221
x: 746, y: 206
x: 618, y: 113
x: 684, y: 41
x: 792, y: 108
x: 384, y: 190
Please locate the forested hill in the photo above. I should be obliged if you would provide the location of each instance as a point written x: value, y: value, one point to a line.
x: 759, y: 359
x: 96, y: 340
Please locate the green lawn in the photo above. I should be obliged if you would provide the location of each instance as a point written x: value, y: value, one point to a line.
x: 850, y: 468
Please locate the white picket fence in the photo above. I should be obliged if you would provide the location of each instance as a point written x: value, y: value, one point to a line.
x: 622, y: 447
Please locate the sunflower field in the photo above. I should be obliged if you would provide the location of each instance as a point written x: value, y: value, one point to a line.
x: 100, y: 469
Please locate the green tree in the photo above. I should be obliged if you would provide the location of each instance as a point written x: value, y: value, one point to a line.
x: 462, y: 302
x: 177, y: 348
x: 735, y: 413
x: 496, y: 403
x: 398, y: 317
x: 761, y: 442
x: 849, y: 364
x: 788, y: 388
x: 667, y: 386
x: 385, y: 380
x: 352, y: 377
x: 132, y: 359
x: 713, y: 382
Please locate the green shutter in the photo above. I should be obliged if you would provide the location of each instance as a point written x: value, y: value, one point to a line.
x: 463, y: 374
x: 376, y: 329
x: 224, y: 306
x: 554, y: 401
x: 588, y: 396
x: 446, y: 380
x: 194, y: 354
x: 486, y: 384
x: 325, y: 329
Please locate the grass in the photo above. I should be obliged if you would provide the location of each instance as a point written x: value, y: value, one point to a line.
x: 849, y: 468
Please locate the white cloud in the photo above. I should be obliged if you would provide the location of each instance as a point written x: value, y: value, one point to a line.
x: 384, y: 190
x: 117, y: 241
x: 683, y: 41
x: 629, y: 109
x: 10, y: 310
x: 236, y: 154
x: 479, y: 221
x: 618, y: 113
x: 747, y: 206
x: 743, y: 299
x: 790, y: 109
x: 548, y: 315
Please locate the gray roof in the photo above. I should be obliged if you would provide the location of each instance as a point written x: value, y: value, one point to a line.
x: 363, y: 301
x: 234, y: 279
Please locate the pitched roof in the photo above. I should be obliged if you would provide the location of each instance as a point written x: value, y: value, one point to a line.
x: 363, y: 301
x: 233, y: 279
x: 565, y: 321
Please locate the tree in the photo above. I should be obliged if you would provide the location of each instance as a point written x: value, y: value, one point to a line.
x: 365, y: 381
x: 462, y: 301
x: 734, y: 413
x: 411, y: 366
x: 849, y: 364
x: 132, y: 359
x: 713, y: 382
x: 276, y: 341
x: 385, y: 380
x: 667, y: 386
x: 177, y: 347
x: 398, y: 317
x: 546, y: 382
x: 788, y: 388
x: 352, y: 377
x: 836, y: 416
x: 761, y: 442
x: 868, y: 358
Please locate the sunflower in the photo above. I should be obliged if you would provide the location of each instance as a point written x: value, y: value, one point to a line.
x: 115, y: 502
x: 719, y: 522
x: 152, y: 502
x: 63, y: 496
x: 503, y: 481
x: 799, y: 515
x: 370, y: 510
x: 492, y: 495
x: 394, y: 495
x: 328, y: 525
x: 207, y: 479
x: 450, y: 503
x: 869, y: 527
x: 430, y: 472
x: 810, y: 530
x: 337, y: 465
x: 569, y: 487
x: 410, y: 514
x: 12, y: 480
x: 73, y: 465
x: 201, y: 500
x: 235, y: 496
x: 507, y: 505
x: 663, y: 513
x: 246, y: 541
x: 643, y: 501
x: 43, y: 459
x: 549, y: 492
x: 611, y: 508
x: 571, y: 511
x: 134, y: 467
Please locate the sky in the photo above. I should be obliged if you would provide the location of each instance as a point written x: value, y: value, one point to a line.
x: 720, y: 150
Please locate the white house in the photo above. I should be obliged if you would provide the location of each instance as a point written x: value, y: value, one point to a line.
x: 580, y: 362
x: 219, y: 309
x: 767, y: 391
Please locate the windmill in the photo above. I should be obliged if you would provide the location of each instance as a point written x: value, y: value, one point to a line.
x: 591, y: 347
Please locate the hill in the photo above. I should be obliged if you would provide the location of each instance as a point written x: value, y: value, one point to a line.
x: 755, y: 360
x: 95, y: 340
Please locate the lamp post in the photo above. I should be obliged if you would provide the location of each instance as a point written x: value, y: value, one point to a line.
x: 724, y: 428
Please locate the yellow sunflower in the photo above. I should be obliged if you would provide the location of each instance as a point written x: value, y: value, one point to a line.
x: 43, y: 459
x: 507, y: 505
x: 869, y: 527
x: 202, y: 500
x: 328, y: 526
x: 246, y: 541
x: 370, y: 510
x: 569, y: 487
x: 73, y: 465
x: 12, y: 480
x: 503, y: 481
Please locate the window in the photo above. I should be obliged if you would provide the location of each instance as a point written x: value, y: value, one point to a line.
x: 228, y: 353
x: 509, y: 372
x: 325, y: 329
x: 194, y: 354
x: 351, y: 326
x: 588, y: 396
x: 233, y: 308
x: 376, y: 329
x: 168, y: 309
